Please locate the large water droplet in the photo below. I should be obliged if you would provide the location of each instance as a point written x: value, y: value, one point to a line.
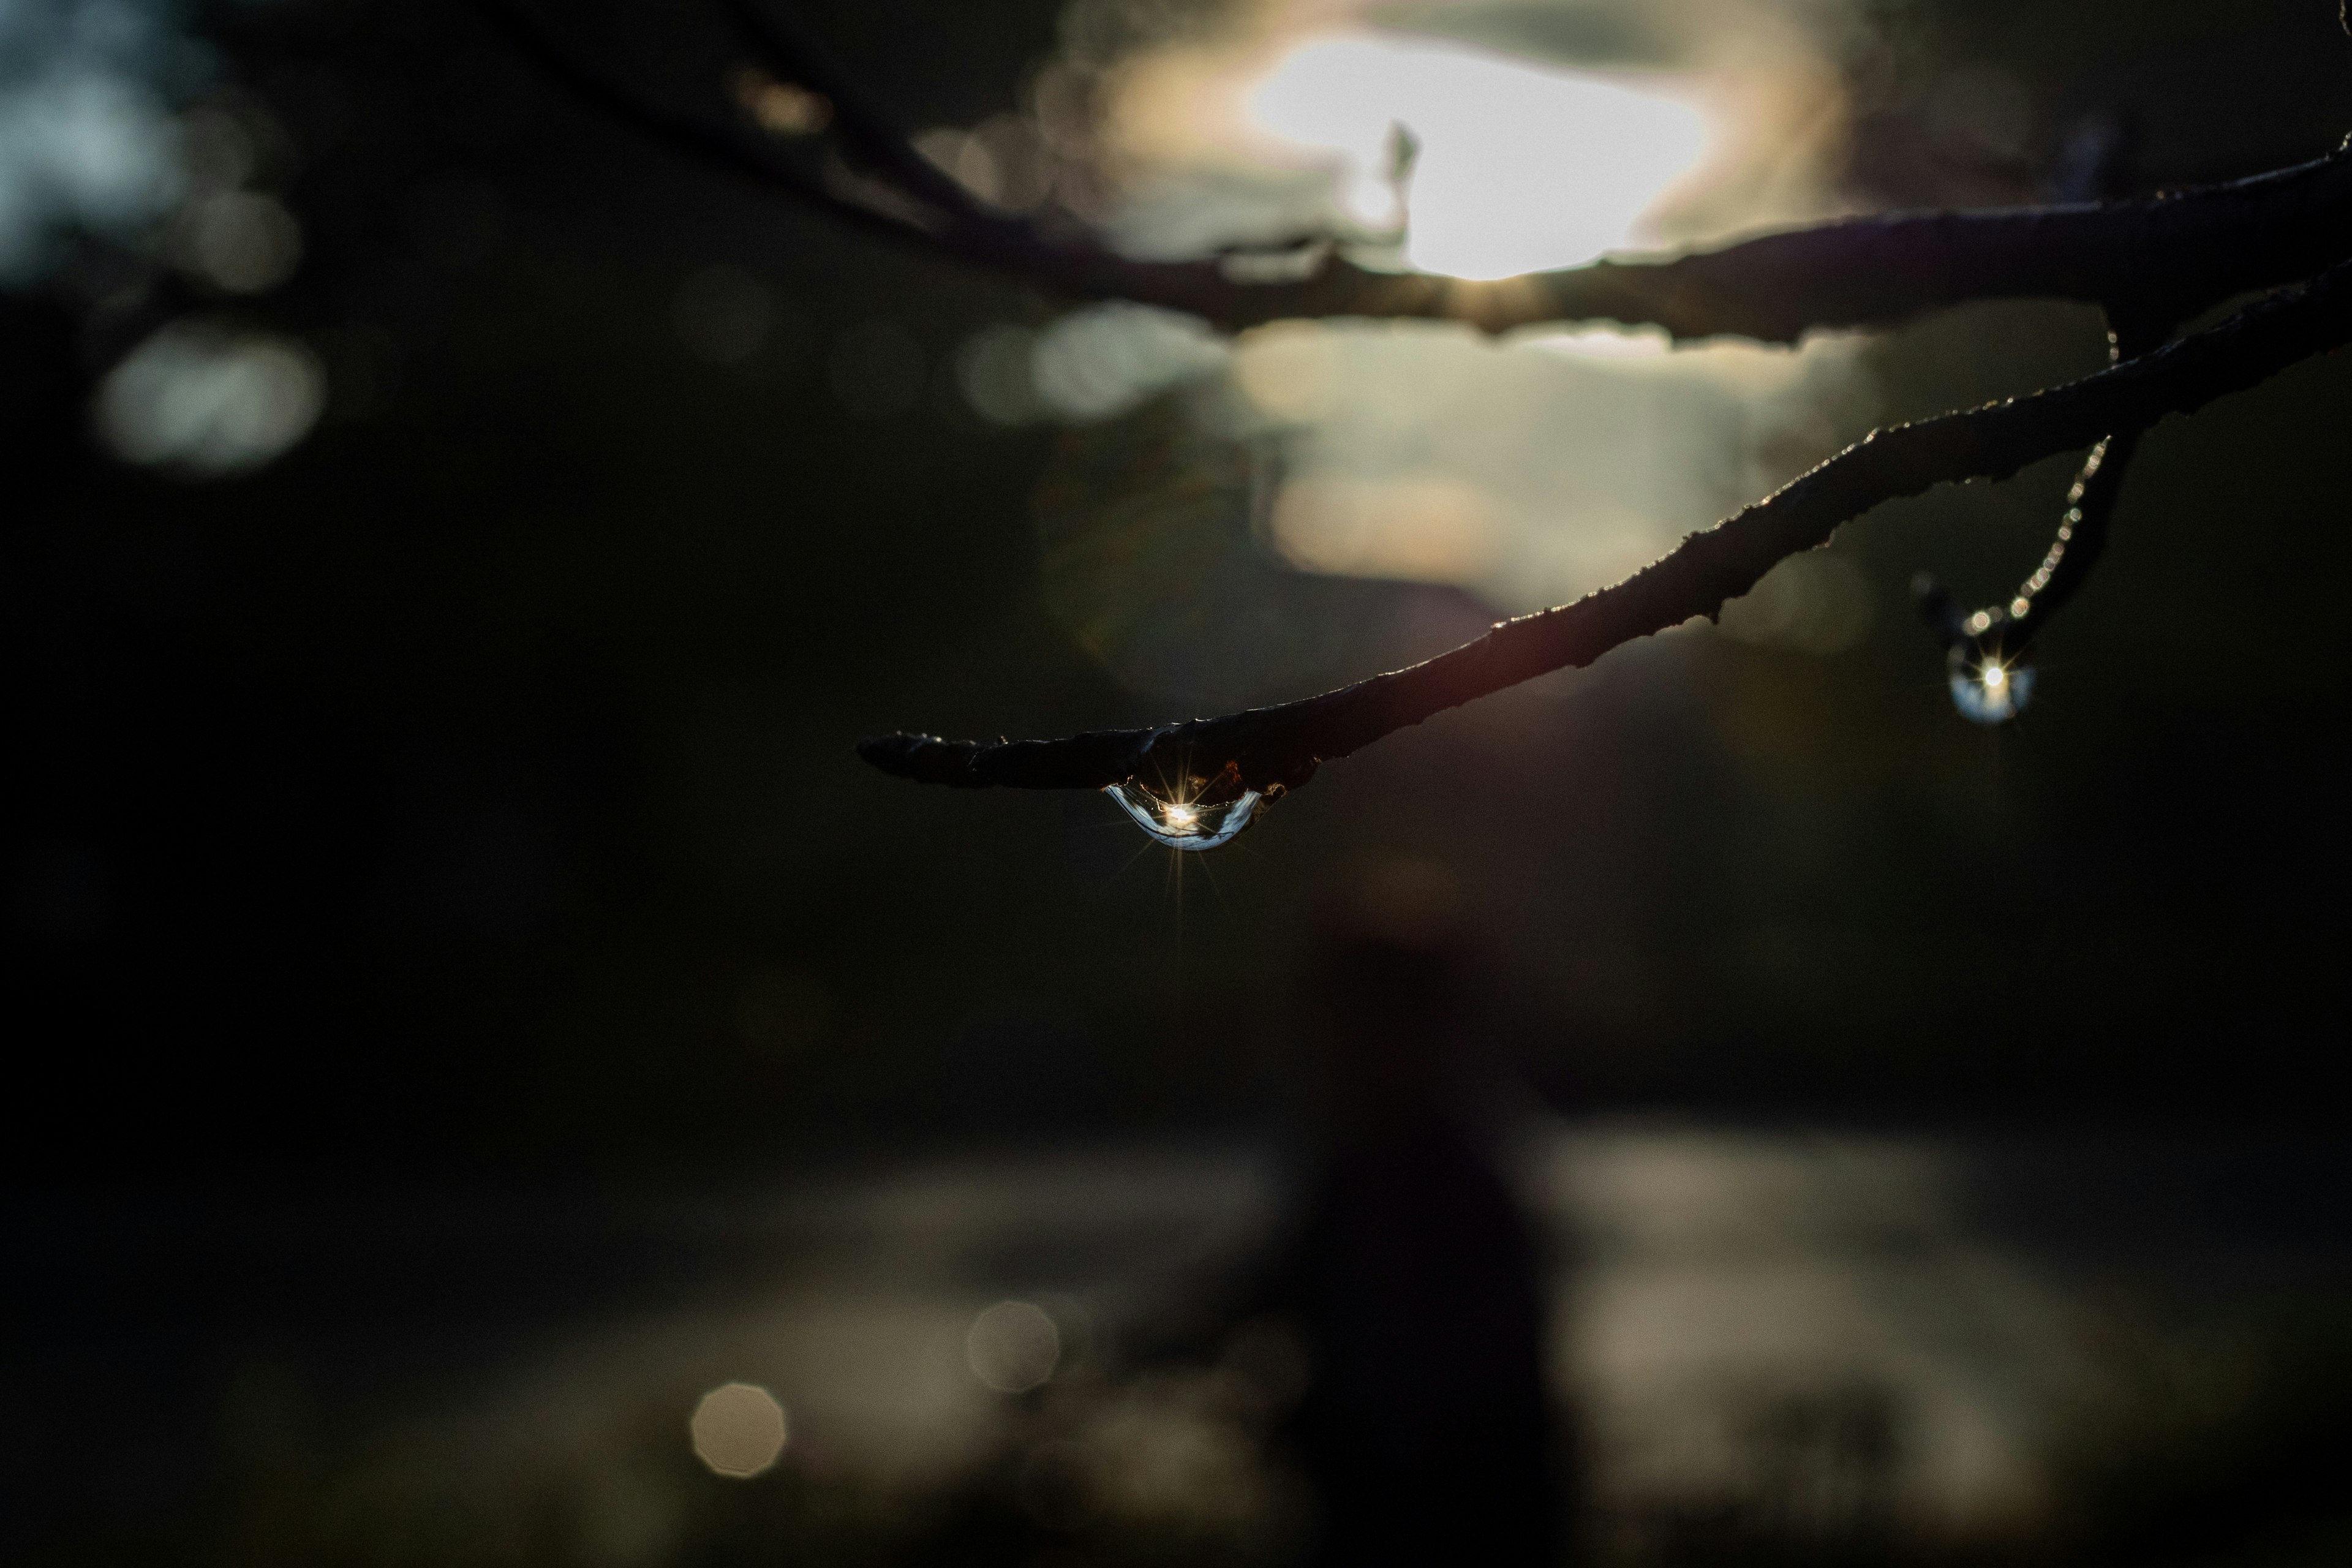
x: 1989, y: 689
x: 1196, y: 823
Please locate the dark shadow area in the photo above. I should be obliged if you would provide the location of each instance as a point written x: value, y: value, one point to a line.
x: 466, y: 1004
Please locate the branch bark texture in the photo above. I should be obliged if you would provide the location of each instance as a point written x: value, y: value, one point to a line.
x: 1282, y: 745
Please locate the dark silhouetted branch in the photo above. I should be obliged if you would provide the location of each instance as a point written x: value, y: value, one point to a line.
x: 718, y: 144
x: 798, y: 55
x: 2163, y: 258
x: 1281, y: 745
x: 2150, y: 263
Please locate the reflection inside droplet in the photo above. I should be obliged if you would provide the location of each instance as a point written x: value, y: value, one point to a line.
x: 1987, y: 690
x: 1202, y: 822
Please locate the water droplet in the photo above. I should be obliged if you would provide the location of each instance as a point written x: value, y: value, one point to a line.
x: 1200, y: 823
x: 1988, y: 688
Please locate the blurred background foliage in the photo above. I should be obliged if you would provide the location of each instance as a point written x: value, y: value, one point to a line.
x: 456, y: 546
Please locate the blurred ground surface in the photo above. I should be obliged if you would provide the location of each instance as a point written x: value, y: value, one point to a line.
x: 1865, y: 1344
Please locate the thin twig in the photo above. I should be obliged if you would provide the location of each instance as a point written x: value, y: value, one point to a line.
x: 2082, y: 540
x: 719, y: 144
x: 2001, y: 633
x: 795, y: 52
x: 1282, y: 745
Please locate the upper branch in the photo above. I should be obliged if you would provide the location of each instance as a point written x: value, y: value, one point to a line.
x: 2157, y: 259
x: 1282, y: 745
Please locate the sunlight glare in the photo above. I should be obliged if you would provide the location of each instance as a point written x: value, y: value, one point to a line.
x: 1521, y: 168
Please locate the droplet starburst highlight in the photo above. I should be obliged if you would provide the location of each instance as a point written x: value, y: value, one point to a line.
x: 1989, y: 689
x: 1194, y: 820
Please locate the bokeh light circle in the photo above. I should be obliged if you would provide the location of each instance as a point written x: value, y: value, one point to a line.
x: 1012, y: 1347
x: 737, y: 1429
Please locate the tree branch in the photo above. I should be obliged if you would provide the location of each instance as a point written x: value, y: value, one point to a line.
x: 2163, y: 258
x: 1281, y: 745
x: 719, y: 144
x: 798, y: 55
x: 2150, y: 263
x: 2159, y: 259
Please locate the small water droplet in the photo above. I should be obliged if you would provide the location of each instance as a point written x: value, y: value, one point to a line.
x: 1200, y: 823
x: 1988, y: 688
